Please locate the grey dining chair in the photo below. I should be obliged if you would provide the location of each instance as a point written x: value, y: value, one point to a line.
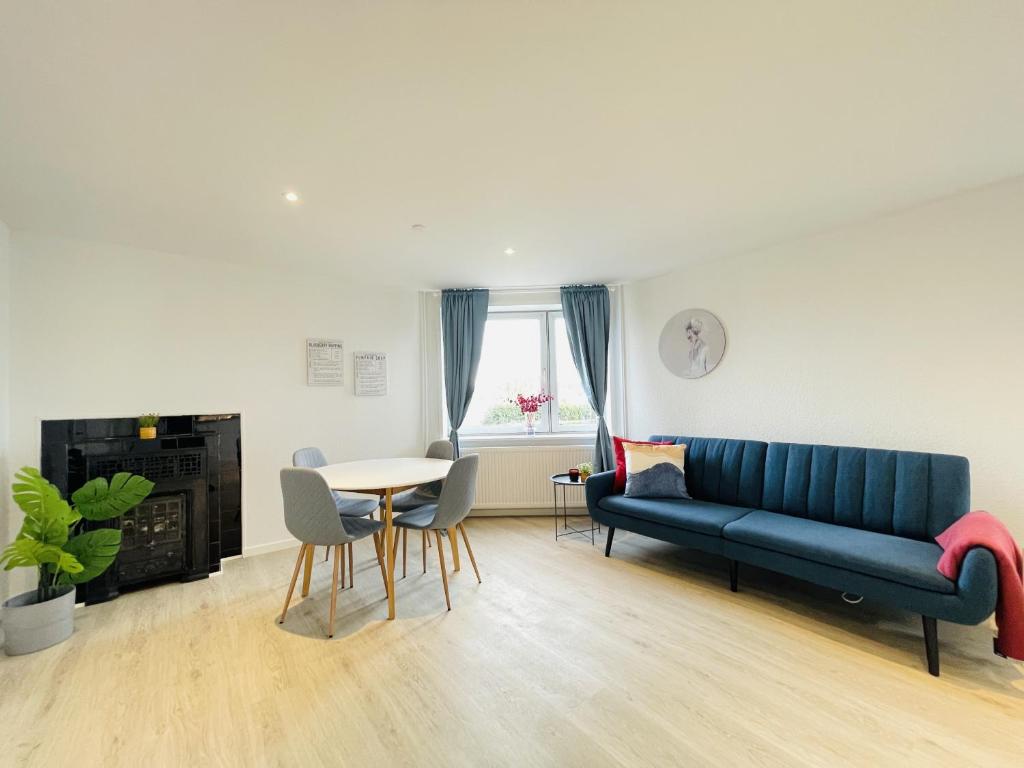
x: 313, y: 458
x: 446, y: 514
x: 414, y: 498
x: 311, y: 516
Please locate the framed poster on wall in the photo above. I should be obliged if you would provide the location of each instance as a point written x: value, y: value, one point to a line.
x: 371, y: 373
x: 325, y: 363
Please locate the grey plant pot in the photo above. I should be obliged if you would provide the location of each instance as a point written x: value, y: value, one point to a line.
x: 30, y: 626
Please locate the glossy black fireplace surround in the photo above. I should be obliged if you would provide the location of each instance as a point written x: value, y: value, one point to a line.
x: 193, y: 516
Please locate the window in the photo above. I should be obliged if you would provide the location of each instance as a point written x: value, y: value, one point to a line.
x: 527, y: 353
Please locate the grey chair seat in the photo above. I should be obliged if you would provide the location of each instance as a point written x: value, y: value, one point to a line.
x: 354, y: 507
x: 428, y: 493
x: 413, y: 498
x: 361, y: 526
x: 313, y: 458
x: 418, y: 519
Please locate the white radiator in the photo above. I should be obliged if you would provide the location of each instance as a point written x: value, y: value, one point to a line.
x: 520, y: 478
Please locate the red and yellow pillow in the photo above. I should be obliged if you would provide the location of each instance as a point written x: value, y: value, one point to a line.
x: 620, y: 459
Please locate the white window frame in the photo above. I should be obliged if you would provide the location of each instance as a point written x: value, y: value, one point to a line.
x: 547, y: 425
x: 556, y: 426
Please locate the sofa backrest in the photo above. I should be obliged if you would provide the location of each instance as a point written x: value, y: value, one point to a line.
x: 915, y: 495
x: 724, y: 471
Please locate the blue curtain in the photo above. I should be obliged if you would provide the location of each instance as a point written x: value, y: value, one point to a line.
x: 587, y: 321
x: 463, y: 316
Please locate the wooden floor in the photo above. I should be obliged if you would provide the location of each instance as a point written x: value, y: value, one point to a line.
x: 560, y: 658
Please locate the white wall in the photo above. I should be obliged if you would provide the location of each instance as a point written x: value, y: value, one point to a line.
x: 100, y: 331
x: 6, y: 523
x: 904, y: 332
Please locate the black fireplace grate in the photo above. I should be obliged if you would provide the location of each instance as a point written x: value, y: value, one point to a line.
x: 154, y: 521
x: 154, y: 467
x: 152, y: 540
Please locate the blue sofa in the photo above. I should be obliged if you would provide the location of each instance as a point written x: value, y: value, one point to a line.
x: 857, y: 520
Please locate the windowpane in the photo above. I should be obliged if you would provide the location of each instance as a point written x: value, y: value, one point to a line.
x: 574, y: 411
x: 510, y: 363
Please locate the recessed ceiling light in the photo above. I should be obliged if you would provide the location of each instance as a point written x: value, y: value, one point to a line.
x: 419, y: 226
x: 291, y: 196
x: 510, y: 251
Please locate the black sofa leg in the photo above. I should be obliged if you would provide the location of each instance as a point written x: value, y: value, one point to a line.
x: 931, y: 644
x: 734, y: 576
x: 608, y: 542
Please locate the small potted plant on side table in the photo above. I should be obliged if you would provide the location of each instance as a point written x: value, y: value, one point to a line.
x: 147, y: 425
x: 45, y: 616
x: 586, y: 470
x: 529, y: 405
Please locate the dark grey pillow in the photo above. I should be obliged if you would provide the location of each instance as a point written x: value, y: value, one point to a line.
x: 655, y: 471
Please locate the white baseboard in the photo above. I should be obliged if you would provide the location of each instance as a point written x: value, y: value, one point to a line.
x: 489, y: 510
x: 274, y: 546
x: 526, y: 511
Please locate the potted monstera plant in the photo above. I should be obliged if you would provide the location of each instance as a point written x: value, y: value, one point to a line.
x: 51, y: 540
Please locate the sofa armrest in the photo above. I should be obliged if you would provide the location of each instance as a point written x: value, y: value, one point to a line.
x: 599, y: 486
x: 978, y: 585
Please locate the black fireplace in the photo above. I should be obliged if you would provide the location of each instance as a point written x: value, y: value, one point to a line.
x: 191, y: 519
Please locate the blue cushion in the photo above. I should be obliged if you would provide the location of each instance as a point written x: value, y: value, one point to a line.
x: 916, y: 495
x: 904, y: 561
x: 689, y: 514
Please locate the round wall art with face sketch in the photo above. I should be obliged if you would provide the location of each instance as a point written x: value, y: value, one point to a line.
x: 692, y: 343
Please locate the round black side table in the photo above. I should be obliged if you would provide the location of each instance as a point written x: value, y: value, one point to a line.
x: 562, y: 479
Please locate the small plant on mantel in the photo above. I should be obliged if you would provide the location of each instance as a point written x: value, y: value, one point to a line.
x: 51, y: 541
x: 147, y: 425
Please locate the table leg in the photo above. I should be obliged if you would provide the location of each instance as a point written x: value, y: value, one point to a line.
x: 453, y: 539
x: 389, y: 538
x: 307, y: 573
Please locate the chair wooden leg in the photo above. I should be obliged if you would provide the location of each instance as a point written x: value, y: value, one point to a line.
x: 469, y: 551
x: 405, y: 549
x: 339, y: 559
x: 380, y: 560
x: 291, y: 587
x: 342, y: 563
x: 444, y: 572
x: 351, y: 567
x: 426, y: 540
x: 307, y: 573
x: 394, y: 549
x: 453, y: 539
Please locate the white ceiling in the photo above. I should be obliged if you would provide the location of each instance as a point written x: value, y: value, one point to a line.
x: 603, y: 141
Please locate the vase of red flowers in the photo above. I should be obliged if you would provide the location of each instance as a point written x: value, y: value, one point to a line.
x: 529, y: 405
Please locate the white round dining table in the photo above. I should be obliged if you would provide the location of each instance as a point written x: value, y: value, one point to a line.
x: 383, y: 477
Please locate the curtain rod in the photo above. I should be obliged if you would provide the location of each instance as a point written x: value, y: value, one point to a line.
x: 528, y: 289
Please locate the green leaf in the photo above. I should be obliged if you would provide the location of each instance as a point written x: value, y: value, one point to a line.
x: 94, y: 551
x: 47, y: 515
x: 99, y: 500
x: 29, y: 553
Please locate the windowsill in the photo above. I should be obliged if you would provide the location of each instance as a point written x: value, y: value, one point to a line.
x: 570, y: 439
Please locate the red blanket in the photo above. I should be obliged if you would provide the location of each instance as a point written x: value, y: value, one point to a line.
x: 980, y: 529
